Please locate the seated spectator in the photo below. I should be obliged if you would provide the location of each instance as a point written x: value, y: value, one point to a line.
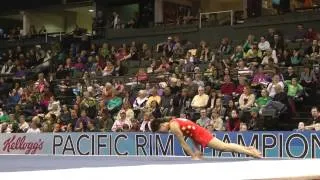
x: 216, y: 122
x: 126, y: 107
x: 200, y: 100
x: 237, y: 55
x: 270, y: 56
x: 281, y: 96
x: 142, y: 75
x: 243, y: 127
x: 249, y: 43
x: 301, y: 127
x: 82, y: 122
x: 211, y: 72
x: 164, y: 66
x: 227, y: 88
x: 65, y: 115
x: 34, y: 128
x: 118, y: 125
x: 5, y: 128
x: 181, y: 102
x: 225, y: 47
x: 41, y: 83
x: 89, y: 104
x: 91, y: 127
x: 204, y: 121
x: 263, y: 100
x: 198, y: 80
x: 296, y: 59
x: 271, y: 87
x: 212, y: 100
x: 8, y: 67
x: 290, y: 74
x: 166, y: 102
x: 230, y: 107
x: 23, y: 125
x: 242, y: 84
x: 233, y: 123
x: 20, y: 74
x: 108, y: 70
x: 247, y: 99
x: 315, y: 116
x: 253, y: 53
x: 79, y: 66
x: 313, y: 51
x: 310, y: 34
x: 114, y: 104
x: 219, y: 108
x: 154, y: 109
x: 307, y: 77
x: 141, y: 101
x: 264, y: 44
x: 146, y: 53
x: 294, y: 92
x: 300, y: 33
x: 154, y: 97
x: 255, y: 122
x: 146, y: 123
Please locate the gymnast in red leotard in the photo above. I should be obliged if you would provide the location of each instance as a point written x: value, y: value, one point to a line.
x: 181, y: 127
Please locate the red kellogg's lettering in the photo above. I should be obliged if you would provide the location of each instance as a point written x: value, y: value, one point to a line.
x: 20, y: 144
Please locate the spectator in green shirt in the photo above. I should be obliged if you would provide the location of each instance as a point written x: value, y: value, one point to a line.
x: 263, y: 100
x: 294, y: 93
x: 294, y: 88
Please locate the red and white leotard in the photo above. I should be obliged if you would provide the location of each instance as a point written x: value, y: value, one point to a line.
x: 192, y: 130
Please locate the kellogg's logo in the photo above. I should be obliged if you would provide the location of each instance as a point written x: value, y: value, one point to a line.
x: 20, y: 144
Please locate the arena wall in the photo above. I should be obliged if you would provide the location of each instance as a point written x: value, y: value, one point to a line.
x: 272, y: 144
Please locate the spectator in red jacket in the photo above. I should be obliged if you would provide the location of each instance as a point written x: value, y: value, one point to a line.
x: 228, y: 87
x: 233, y: 123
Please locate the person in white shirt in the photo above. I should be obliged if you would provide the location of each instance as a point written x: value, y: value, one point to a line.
x: 263, y: 44
x: 23, y: 125
x: 200, y: 100
x: 7, y: 68
x: 34, y: 128
x: 141, y: 100
x: 270, y: 54
x: 119, y: 123
x: 146, y: 123
x: 271, y: 87
x: 5, y: 128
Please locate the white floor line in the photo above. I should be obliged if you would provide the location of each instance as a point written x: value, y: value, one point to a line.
x: 221, y: 170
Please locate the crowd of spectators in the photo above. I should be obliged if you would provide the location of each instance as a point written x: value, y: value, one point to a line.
x: 229, y: 87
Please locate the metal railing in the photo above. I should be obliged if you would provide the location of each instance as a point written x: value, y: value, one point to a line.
x: 216, y: 13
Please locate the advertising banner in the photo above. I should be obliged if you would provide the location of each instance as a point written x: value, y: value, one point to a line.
x: 271, y: 144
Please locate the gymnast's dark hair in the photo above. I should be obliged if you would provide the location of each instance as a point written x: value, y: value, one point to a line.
x: 155, y: 125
